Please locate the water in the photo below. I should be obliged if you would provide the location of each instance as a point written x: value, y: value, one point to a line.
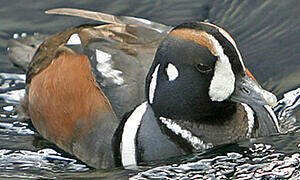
x: 268, y: 36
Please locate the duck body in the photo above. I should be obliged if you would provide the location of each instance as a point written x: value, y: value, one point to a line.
x: 186, y: 87
x: 76, y: 88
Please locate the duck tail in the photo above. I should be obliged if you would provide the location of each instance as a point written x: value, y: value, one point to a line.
x: 108, y: 18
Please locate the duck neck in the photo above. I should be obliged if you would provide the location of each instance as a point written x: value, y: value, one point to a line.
x: 194, y: 112
x: 227, y: 125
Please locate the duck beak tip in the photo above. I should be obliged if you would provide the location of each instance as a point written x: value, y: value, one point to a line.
x: 270, y: 98
x: 250, y: 92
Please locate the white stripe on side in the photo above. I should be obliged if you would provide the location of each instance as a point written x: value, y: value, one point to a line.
x: 273, y: 116
x: 250, y: 115
x: 127, y: 146
x: 197, y: 143
x: 153, y: 84
x: 222, y: 83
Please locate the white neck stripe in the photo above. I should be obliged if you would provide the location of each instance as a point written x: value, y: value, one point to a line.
x: 128, y: 144
x: 273, y: 116
x: 251, y: 121
x: 197, y: 143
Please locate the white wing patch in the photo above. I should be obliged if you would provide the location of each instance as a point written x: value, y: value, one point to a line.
x: 127, y: 146
x: 153, y: 84
x: 172, y: 72
x: 105, y: 65
x: 222, y: 83
x: 74, y: 40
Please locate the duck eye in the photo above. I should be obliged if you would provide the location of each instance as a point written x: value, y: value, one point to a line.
x: 203, y: 68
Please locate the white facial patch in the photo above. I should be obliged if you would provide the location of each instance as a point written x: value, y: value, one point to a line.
x: 74, y: 40
x: 127, y: 146
x: 153, y: 84
x: 172, y: 72
x: 197, y: 143
x: 250, y: 115
x: 222, y: 83
x: 230, y: 39
x: 104, y: 66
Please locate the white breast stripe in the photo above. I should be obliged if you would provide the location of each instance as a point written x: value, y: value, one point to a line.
x: 104, y: 66
x: 222, y: 83
x: 273, y: 116
x: 153, y: 84
x: 172, y: 72
x: 250, y: 115
x: 197, y: 143
x: 127, y: 146
x: 74, y: 40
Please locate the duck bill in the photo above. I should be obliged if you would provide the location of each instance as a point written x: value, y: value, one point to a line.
x: 247, y: 90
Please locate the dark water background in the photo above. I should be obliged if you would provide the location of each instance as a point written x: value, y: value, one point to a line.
x: 267, y: 33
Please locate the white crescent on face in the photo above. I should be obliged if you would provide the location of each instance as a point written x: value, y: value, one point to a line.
x: 223, y: 81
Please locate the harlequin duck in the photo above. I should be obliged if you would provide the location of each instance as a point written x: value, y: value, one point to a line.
x: 199, y: 94
x: 83, y: 81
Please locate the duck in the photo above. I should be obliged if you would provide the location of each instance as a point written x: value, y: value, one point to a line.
x: 134, y: 91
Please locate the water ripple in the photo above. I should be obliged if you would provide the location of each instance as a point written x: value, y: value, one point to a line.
x: 261, y: 163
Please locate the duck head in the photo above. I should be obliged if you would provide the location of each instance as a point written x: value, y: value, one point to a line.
x: 197, y: 70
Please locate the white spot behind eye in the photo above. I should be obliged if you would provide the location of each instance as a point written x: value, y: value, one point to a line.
x: 153, y: 84
x: 74, y: 40
x: 104, y: 66
x: 172, y: 72
x: 222, y: 83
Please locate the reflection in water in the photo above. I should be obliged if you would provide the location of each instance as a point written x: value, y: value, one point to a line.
x: 12, y: 87
x: 32, y: 164
x: 261, y: 161
x: 18, y: 155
